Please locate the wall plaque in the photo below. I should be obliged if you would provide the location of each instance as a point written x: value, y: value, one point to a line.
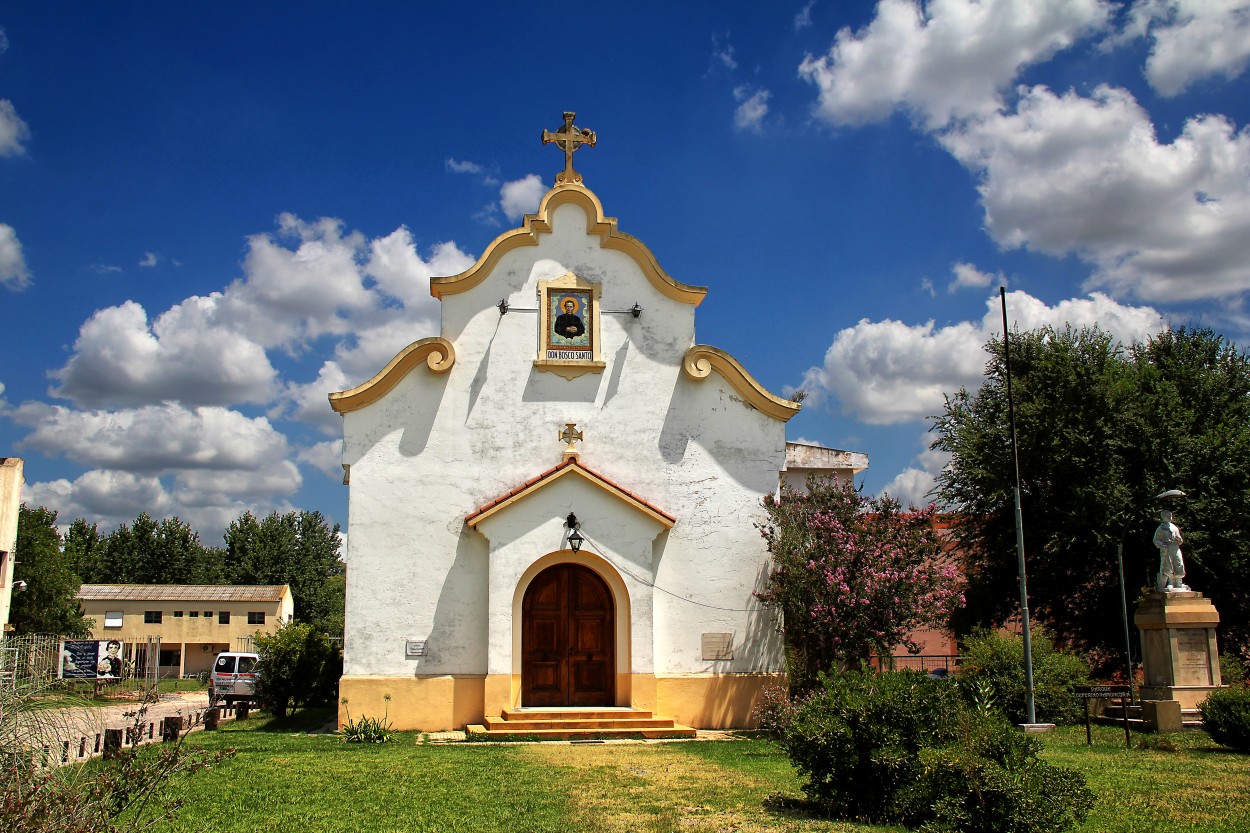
x: 414, y: 648
x: 718, y: 646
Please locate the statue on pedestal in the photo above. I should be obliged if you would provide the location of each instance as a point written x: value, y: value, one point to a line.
x: 1168, y: 539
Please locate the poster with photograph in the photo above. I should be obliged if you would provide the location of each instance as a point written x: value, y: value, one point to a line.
x: 78, y: 659
x: 109, y: 666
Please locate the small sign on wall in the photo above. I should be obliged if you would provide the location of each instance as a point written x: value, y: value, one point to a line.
x: 414, y: 648
x: 718, y: 646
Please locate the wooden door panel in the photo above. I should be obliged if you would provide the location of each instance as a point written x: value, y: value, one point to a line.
x: 568, y: 639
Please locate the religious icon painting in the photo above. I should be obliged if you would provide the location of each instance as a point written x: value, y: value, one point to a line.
x: 569, y: 311
x: 568, y: 343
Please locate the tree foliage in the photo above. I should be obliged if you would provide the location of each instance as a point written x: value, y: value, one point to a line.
x: 1101, y: 429
x: 48, y: 604
x: 299, y: 666
x: 296, y: 548
x: 148, y: 551
x: 852, y: 576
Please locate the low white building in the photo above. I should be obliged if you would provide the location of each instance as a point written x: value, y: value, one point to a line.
x: 566, y: 393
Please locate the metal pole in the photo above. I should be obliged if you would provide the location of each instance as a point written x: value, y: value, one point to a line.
x: 1128, y: 645
x: 1030, y: 709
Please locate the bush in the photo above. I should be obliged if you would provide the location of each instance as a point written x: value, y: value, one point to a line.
x: 368, y: 729
x: 901, y: 748
x: 299, y: 666
x: 1233, y: 671
x: 1226, y: 717
x: 998, y: 659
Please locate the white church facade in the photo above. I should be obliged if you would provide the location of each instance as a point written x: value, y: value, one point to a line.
x: 553, y: 503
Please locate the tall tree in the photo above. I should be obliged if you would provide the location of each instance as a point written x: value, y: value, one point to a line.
x: 152, y: 552
x: 852, y: 576
x: 83, y: 549
x: 1101, y: 430
x: 296, y: 548
x: 48, y: 604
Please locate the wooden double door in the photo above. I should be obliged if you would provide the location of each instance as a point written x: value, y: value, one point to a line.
x: 568, y: 639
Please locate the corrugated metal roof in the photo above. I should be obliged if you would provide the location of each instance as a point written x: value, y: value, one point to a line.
x: 183, y: 592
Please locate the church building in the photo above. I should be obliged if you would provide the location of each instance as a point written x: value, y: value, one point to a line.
x: 552, y: 504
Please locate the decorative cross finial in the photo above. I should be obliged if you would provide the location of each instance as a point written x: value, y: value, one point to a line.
x: 570, y: 435
x: 569, y: 138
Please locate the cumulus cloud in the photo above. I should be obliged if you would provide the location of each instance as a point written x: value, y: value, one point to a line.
x: 13, y: 272
x: 521, y: 196
x: 152, y: 414
x: 943, y: 61
x: 1191, y: 40
x: 14, y: 132
x: 912, y: 486
x: 462, y: 166
x: 1069, y: 174
x: 968, y: 276
x: 885, y: 372
x: 723, y: 52
x: 149, y: 259
x: 154, y: 439
x: 326, y: 457
x: 752, y: 107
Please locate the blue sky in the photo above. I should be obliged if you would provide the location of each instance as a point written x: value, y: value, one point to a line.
x: 209, y: 218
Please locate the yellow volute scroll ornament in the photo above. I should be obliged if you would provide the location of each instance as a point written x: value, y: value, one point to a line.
x: 437, y: 353
x: 702, y: 359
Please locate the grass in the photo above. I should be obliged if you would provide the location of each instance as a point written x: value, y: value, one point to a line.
x: 286, y: 779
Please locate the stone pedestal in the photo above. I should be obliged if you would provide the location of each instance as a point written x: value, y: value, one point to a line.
x: 1179, y: 651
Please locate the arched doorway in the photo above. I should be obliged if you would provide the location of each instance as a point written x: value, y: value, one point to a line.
x: 568, y: 639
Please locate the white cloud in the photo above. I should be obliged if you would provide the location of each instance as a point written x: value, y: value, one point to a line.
x: 154, y: 439
x: 944, y: 61
x: 912, y: 485
x: 521, y: 196
x: 885, y: 372
x: 187, y: 355
x: 722, y: 52
x: 1192, y: 40
x: 968, y: 276
x: 803, y: 18
x: 752, y: 107
x: 13, y: 272
x: 13, y: 131
x: 1069, y: 174
x: 326, y: 457
x: 149, y: 259
x: 462, y: 167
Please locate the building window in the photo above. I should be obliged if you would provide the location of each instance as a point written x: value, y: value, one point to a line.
x: 177, y: 614
x: 151, y: 617
x: 223, y: 617
x: 255, y: 617
x: 195, y: 614
x: 112, y: 619
x: 208, y: 614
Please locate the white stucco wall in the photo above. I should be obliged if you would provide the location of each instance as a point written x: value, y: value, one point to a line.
x: 437, y: 447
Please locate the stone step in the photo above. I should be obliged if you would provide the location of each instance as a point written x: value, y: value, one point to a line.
x: 482, y: 733
x: 516, y: 724
x: 574, y: 713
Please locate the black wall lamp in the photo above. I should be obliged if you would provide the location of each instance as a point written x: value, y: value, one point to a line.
x: 575, y: 537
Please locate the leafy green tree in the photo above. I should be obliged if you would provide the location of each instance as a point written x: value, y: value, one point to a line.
x: 48, y: 604
x: 83, y: 549
x: 852, y: 576
x: 1101, y: 430
x: 152, y: 552
x: 298, y: 549
x: 299, y: 666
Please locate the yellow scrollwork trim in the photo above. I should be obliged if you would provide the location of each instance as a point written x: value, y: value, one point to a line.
x: 596, y: 223
x: 702, y: 359
x: 436, y: 352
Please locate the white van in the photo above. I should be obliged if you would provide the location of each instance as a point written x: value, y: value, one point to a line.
x: 233, y: 677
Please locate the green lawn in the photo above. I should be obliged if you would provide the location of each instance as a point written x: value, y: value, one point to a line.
x: 282, y: 780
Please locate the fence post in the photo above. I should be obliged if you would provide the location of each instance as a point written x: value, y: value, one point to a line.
x: 112, y: 743
x: 171, y: 728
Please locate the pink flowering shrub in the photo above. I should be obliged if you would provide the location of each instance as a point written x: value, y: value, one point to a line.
x: 852, y: 576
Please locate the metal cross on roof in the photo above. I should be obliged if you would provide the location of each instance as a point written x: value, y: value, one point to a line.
x: 569, y: 138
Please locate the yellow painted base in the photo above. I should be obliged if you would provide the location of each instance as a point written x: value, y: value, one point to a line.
x: 435, y: 704
x: 720, y: 701
x: 423, y: 704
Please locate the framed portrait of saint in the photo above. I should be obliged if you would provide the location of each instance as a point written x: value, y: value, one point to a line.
x: 568, y: 343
